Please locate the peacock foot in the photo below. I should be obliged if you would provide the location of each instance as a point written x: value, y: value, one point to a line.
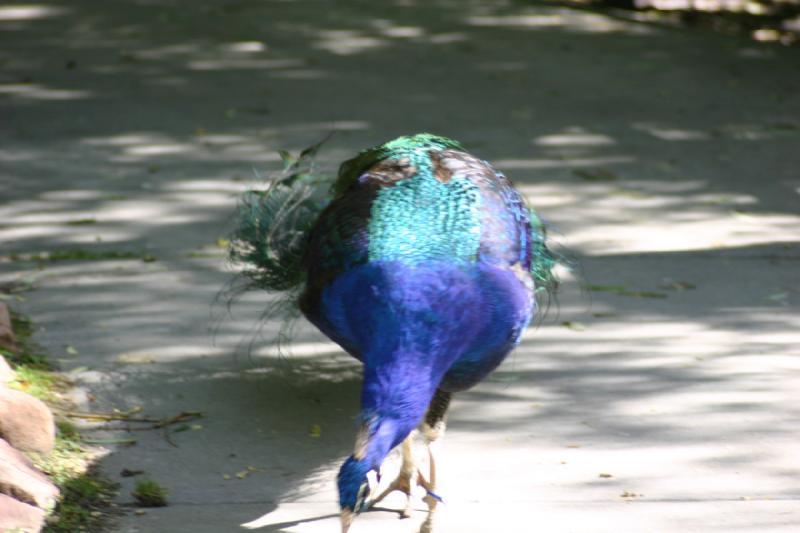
x: 432, y: 500
x: 403, y: 483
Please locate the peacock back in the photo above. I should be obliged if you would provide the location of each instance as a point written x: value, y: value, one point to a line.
x: 414, y: 199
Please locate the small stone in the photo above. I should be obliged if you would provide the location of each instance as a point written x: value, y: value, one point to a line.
x: 18, y: 516
x: 26, y: 422
x: 22, y: 481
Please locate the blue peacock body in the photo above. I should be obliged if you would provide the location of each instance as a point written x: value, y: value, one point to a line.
x: 422, y: 262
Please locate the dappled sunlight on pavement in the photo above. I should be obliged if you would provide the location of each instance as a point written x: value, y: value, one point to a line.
x: 655, y: 393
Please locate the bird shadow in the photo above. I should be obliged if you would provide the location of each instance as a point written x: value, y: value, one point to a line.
x: 260, y: 524
x: 281, y: 526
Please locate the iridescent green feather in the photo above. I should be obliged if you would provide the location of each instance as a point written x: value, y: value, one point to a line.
x: 272, y: 225
x: 543, y: 259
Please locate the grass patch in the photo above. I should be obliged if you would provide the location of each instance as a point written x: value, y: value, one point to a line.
x: 25, y: 357
x: 81, y: 222
x: 149, y: 493
x: 42, y: 384
x: 22, y: 326
x: 81, y: 254
x: 29, y: 360
x: 85, y: 503
x: 625, y: 291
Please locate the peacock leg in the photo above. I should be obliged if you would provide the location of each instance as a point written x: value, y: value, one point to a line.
x: 404, y: 479
x: 433, y: 430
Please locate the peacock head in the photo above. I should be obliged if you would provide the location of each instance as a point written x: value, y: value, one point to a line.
x: 353, y: 489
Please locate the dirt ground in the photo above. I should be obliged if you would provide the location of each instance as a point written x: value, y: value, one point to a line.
x: 658, y: 395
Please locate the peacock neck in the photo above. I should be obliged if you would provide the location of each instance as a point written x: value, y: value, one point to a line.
x: 394, y: 400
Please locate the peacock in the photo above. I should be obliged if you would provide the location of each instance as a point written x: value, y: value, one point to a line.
x: 421, y: 261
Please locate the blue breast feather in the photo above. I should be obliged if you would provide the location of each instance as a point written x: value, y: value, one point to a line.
x: 423, y: 326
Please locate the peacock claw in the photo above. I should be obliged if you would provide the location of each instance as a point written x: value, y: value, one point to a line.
x: 404, y: 480
x: 403, y: 484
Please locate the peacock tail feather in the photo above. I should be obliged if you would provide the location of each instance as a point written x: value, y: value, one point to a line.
x: 272, y: 225
x: 544, y: 259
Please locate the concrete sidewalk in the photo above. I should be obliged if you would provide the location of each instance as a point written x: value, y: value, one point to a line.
x: 658, y: 395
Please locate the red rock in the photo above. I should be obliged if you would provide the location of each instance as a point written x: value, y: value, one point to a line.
x: 18, y: 516
x: 26, y: 422
x: 22, y: 481
x: 7, y: 339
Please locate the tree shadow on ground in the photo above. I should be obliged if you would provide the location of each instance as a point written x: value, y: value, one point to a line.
x: 134, y: 128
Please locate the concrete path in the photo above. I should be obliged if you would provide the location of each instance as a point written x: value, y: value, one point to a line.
x: 661, y: 397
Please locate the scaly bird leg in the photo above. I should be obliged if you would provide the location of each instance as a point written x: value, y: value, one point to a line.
x: 404, y: 479
x: 433, y: 430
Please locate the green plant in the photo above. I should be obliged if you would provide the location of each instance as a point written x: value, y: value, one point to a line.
x: 149, y: 493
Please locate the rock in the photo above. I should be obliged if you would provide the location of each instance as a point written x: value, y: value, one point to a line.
x: 7, y: 339
x: 18, y: 516
x: 26, y: 422
x: 6, y: 374
x: 22, y: 481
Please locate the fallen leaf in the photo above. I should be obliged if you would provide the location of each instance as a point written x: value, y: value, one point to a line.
x: 315, y: 431
x: 135, y: 359
x: 645, y: 294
